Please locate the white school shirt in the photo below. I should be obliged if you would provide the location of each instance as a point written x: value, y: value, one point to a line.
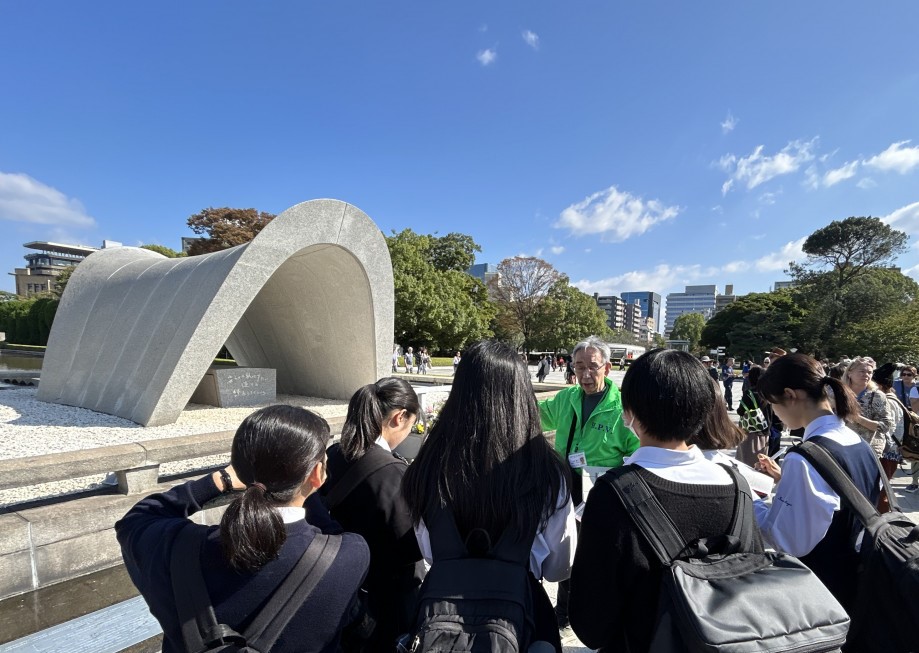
x: 802, y: 510
x: 690, y: 466
x: 553, y: 548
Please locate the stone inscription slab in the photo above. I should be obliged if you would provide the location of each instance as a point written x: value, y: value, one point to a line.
x: 237, y: 386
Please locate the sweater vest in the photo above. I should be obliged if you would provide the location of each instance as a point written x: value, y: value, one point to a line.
x: 834, y: 560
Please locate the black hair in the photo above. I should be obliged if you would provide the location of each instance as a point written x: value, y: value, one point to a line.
x: 669, y: 392
x: 837, y: 371
x: 883, y: 375
x: 368, y: 409
x: 801, y: 372
x: 753, y: 376
x: 274, y: 450
x: 718, y: 431
x: 486, y: 457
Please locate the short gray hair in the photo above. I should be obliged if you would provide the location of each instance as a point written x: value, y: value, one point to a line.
x: 593, y: 342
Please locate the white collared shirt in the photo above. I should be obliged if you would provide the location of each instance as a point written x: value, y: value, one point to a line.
x: 383, y: 443
x: 553, y: 548
x: 689, y: 466
x: 291, y: 514
x: 802, y: 510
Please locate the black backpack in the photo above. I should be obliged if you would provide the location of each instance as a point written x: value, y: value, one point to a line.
x: 718, y: 596
x: 886, y: 613
x: 200, y: 630
x: 473, y: 604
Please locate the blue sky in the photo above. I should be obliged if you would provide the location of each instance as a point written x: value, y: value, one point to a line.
x: 635, y: 146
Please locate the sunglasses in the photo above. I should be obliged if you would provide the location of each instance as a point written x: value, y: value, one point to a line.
x: 907, y: 374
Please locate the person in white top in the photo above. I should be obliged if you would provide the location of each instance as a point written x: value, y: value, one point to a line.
x: 805, y: 518
x: 487, y: 461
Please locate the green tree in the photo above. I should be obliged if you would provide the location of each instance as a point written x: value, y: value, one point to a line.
x: 168, y: 252
x: 688, y: 326
x: 520, y: 288
x: 61, y: 281
x: 755, y: 323
x: 225, y: 227
x: 839, y: 257
x: 891, y: 338
x: 437, y: 304
x: 565, y: 317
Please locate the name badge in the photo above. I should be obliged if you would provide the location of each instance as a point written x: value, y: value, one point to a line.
x: 577, y: 460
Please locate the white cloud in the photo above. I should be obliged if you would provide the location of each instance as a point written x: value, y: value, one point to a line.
x: 615, y: 215
x: 729, y: 123
x: 755, y: 168
x: 896, y: 157
x: 24, y: 199
x: 558, y: 249
x: 777, y: 261
x: 906, y: 218
x: 717, y: 209
x: 487, y: 57
x: 866, y: 183
x: 531, y: 39
x: 667, y: 278
x: 768, y: 198
x: 833, y: 177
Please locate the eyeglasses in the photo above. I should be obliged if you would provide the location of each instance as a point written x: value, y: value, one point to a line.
x: 593, y: 369
x: 907, y: 374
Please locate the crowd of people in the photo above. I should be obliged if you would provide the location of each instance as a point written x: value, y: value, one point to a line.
x: 486, y: 472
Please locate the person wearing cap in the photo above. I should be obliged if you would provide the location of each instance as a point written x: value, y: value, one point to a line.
x: 712, y: 372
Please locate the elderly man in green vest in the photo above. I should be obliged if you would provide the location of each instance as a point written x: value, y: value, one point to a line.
x: 589, y: 433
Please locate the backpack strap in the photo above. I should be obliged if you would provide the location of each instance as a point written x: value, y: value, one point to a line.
x: 742, y: 520
x: 647, y: 512
x: 447, y: 543
x: 833, y: 474
x: 193, y: 605
x: 200, y: 629
x: 359, y: 470
x: 293, y: 592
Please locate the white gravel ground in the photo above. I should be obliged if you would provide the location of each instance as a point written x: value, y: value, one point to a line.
x: 29, y: 427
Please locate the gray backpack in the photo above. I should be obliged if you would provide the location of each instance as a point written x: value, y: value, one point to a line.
x: 718, y: 596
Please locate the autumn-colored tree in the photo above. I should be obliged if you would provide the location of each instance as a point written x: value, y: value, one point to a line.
x: 566, y: 317
x: 225, y: 227
x: 521, y: 286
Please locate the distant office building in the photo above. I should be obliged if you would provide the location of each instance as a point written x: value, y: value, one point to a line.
x: 49, y: 260
x: 727, y: 298
x: 615, y: 310
x: 646, y: 329
x: 695, y: 299
x: 633, y: 319
x: 650, y: 303
x: 188, y: 241
x: 484, y: 272
x: 779, y: 285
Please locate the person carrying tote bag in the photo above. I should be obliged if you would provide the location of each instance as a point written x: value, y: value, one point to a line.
x: 756, y: 419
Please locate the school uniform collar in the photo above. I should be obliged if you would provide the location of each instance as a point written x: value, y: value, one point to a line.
x: 383, y: 443
x: 651, y: 457
x: 291, y: 514
x: 822, y: 425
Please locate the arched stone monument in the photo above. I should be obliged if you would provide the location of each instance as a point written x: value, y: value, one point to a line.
x: 311, y: 297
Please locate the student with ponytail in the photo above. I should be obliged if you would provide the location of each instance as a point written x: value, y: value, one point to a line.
x: 277, y: 463
x: 363, y: 493
x: 806, y: 518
